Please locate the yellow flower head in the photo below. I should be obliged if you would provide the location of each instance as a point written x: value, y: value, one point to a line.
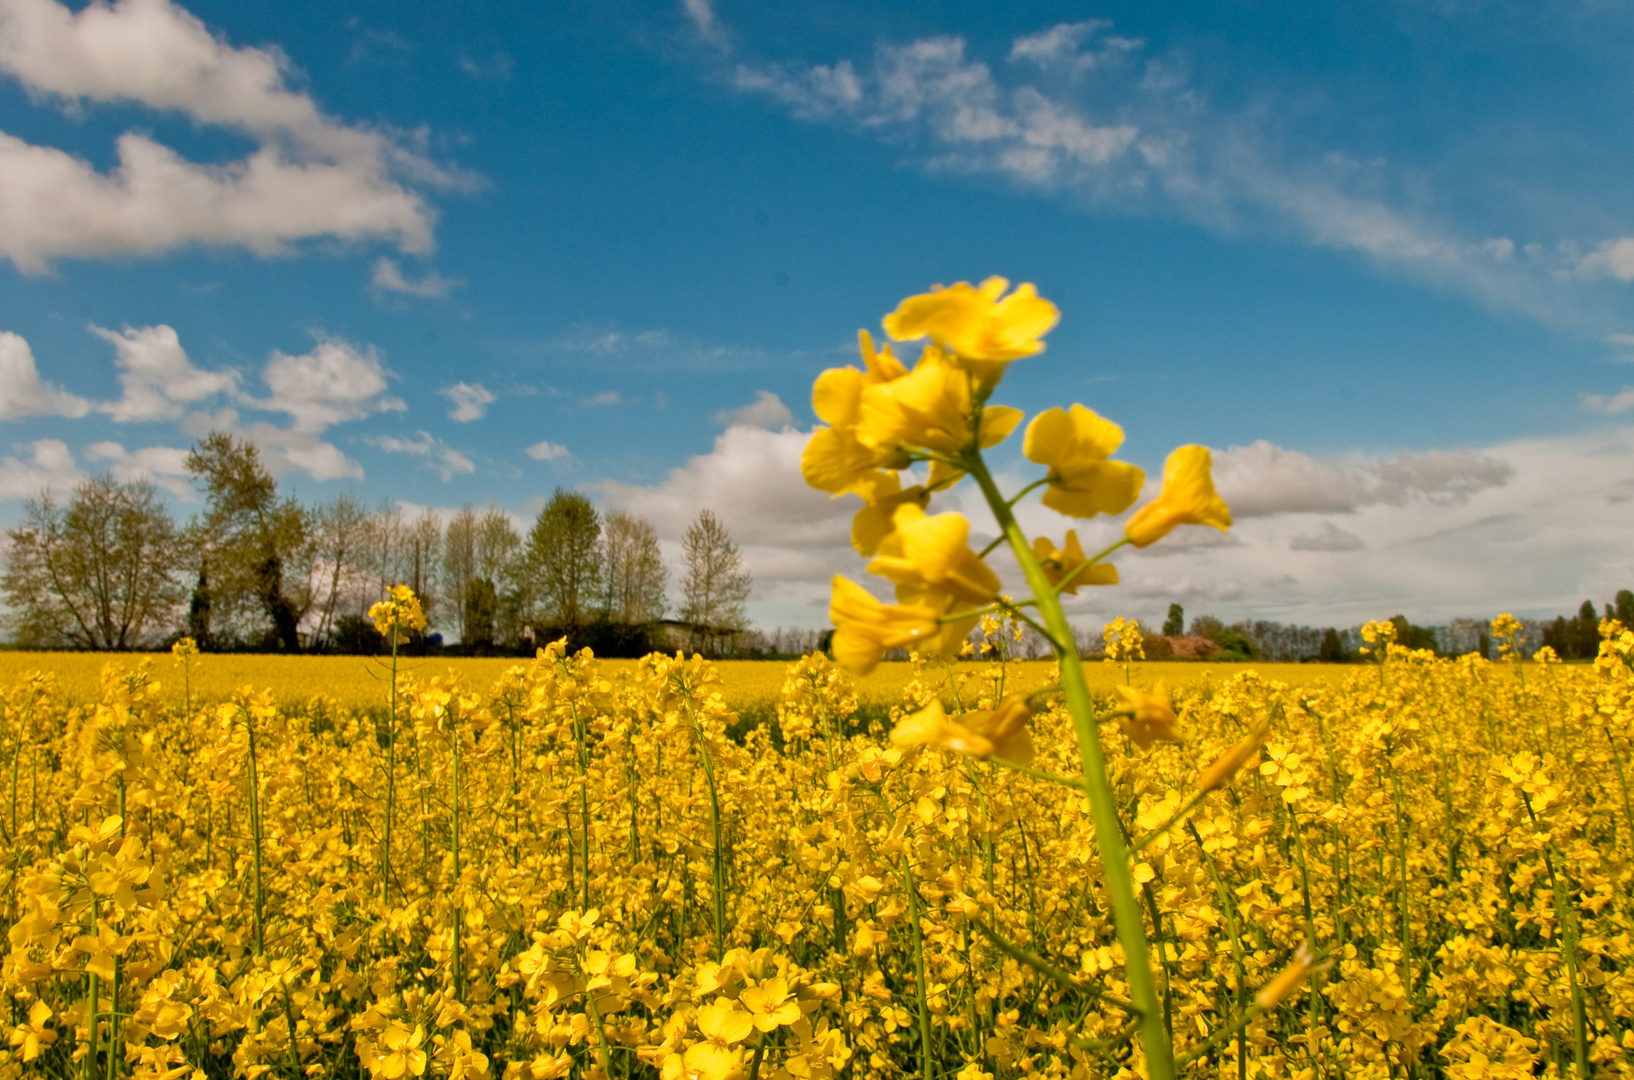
x: 930, y: 557
x: 932, y: 408
x: 1069, y: 563
x: 973, y: 323
x: 1288, y: 979
x: 1226, y: 765
x: 1000, y: 732
x: 1075, y: 446
x: 884, y: 494
x: 834, y: 460
x: 400, y: 613
x: 1147, y: 717
x: 1507, y: 631
x: 1124, y: 640
x: 184, y: 648
x: 864, y: 628
x: 1187, y: 498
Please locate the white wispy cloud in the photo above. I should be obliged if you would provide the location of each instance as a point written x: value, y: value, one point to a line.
x: 310, y: 175
x: 471, y: 401
x: 388, y: 278
x: 765, y: 411
x: 1611, y: 404
x: 24, y: 393
x: 156, y: 375
x: 549, y: 451
x: 1094, y: 118
x: 49, y: 466
x: 163, y: 466
x: 444, y: 459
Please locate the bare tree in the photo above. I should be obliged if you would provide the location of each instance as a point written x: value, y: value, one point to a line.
x: 495, y: 599
x: 101, y: 572
x: 715, y: 585
x: 633, y: 570
x: 459, y: 565
x: 341, y: 532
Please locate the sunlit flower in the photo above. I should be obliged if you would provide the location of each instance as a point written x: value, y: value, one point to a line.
x: 884, y: 493
x: 1000, y: 732
x: 399, y: 614
x: 1147, y: 717
x: 1076, y: 446
x: 1187, y: 498
x: 1225, y: 767
x: 1069, y: 562
x: 864, y: 628
x: 929, y: 557
x: 974, y: 323
x: 834, y: 460
x: 1288, y: 979
x: 33, y: 1036
x: 932, y: 409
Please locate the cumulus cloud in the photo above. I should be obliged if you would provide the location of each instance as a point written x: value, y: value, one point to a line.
x: 603, y: 399
x: 336, y: 381
x: 156, y: 375
x: 163, y: 466
x: 1613, y: 258
x: 471, y: 401
x: 388, y: 278
x: 1263, y: 479
x: 48, y: 467
x: 549, y: 451
x: 23, y: 392
x: 1620, y: 402
x: 310, y: 176
x: 439, y: 456
x: 766, y: 411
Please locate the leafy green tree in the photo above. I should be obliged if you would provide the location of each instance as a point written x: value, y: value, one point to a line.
x: 633, y: 570
x: 101, y: 571
x: 1333, y: 649
x: 1175, y: 624
x: 1624, y: 609
x: 563, y: 562
x: 715, y: 586
x: 259, y: 546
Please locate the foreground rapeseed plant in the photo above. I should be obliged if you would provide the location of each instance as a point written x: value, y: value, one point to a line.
x: 888, y: 418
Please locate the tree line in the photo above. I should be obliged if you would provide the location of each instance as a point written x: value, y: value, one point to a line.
x: 108, y: 567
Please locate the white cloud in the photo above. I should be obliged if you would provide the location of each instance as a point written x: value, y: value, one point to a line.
x: 49, y: 467
x: 310, y: 176
x: 1613, y: 258
x: 549, y: 451
x: 1262, y: 479
x: 702, y: 14
x: 603, y: 399
x: 1328, y: 537
x: 336, y: 381
x: 1095, y: 119
x: 471, y: 401
x: 156, y: 375
x: 388, y: 277
x: 23, y: 392
x: 1620, y: 402
x: 447, y: 461
x: 164, y: 466
x: 765, y: 411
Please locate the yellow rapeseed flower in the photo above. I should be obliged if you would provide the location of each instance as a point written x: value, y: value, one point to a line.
x: 1187, y: 498
x: 400, y: 613
x: 884, y: 493
x: 834, y: 460
x: 932, y: 408
x: 974, y: 323
x: 1075, y: 446
x: 1147, y: 717
x: 930, y: 557
x: 1000, y: 732
x: 864, y: 628
x: 1068, y: 562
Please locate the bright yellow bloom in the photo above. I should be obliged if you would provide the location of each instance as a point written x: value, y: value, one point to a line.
x: 834, y: 460
x: 884, y: 493
x: 864, y: 628
x: 1288, y: 979
x: 1225, y: 767
x: 1000, y: 732
x: 1124, y: 640
x: 932, y: 409
x: 33, y: 1036
x: 929, y: 557
x: 1075, y: 446
x: 184, y: 648
x: 1069, y: 562
x: 1508, y: 631
x: 402, y: 1052
x: 723, y: 1025
x: 1187, y: 498
x: 770, y: 1004
x: 1147, y: 717
x: 974, y: 323
x: 400, y: 613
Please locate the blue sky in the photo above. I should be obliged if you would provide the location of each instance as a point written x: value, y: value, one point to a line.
x: 1379, y: 256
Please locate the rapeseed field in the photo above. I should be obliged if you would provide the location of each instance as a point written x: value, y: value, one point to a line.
x: 573, y: 868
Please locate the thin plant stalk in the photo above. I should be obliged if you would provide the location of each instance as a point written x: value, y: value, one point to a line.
x: 1156, y: 1040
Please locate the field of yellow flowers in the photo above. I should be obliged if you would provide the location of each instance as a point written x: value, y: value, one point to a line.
x: 571, y: 870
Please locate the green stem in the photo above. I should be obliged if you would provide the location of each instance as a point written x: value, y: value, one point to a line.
x: 255, y: 824
x: 391, y: 778
x: 1047, y: 969
x: 1154, y: 1034
x: 926, y: 1071
x: 459, y: 911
